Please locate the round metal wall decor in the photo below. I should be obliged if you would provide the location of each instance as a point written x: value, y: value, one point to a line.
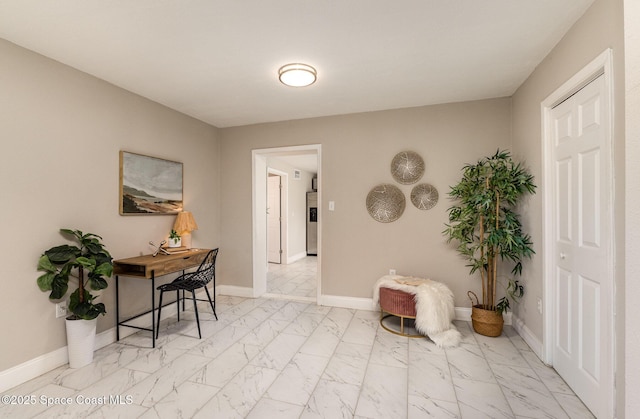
x: 407, y: 167
x: 385, y: 203
x: 424, y: 196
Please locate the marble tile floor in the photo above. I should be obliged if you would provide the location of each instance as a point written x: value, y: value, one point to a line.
x: 274, y: 358
x: 298, y: 279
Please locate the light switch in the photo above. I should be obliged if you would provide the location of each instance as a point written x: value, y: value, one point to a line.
x: 332, y: 205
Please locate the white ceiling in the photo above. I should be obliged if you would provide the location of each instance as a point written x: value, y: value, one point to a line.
x: 217, y: 60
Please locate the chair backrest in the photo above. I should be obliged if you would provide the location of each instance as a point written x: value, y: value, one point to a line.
x: 207, y: 269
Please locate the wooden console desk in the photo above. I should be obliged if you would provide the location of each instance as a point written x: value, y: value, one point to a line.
x: 148, y: 267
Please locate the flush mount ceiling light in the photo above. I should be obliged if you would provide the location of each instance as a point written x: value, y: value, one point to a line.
x: 297, y: 75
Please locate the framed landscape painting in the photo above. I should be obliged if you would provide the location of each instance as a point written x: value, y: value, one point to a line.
x: 149, y: 185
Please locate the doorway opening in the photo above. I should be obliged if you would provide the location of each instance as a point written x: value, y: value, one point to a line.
x: 296, y: 275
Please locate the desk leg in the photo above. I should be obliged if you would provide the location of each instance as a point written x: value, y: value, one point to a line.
x: 153, y: 307
x: 117, y: 312
x: 182, y: 299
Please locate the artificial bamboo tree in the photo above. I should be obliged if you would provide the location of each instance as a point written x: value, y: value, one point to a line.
x: 485, y: 225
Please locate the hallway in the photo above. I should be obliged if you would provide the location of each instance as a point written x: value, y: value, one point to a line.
x: 298, y: 279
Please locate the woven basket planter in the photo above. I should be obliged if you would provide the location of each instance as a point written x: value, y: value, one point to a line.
x: 485, y: 322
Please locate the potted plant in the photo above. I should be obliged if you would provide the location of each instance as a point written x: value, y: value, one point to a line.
x: 487, y: 229
x: 60, y: 264
x: 174, y: 239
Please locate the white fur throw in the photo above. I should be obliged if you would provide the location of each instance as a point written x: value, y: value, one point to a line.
x: 434, y: 307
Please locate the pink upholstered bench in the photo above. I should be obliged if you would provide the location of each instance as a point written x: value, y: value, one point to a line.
x: 397, y: 303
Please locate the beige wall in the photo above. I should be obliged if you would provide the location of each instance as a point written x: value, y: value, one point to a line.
x: 356, y: 155
x: 61, y: 133
x: 601, y: 27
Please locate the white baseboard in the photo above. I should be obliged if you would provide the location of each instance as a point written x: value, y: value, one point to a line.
x: 296, y: 257
x: 290, y: 297
x: 347, y: 302
x: 526, y: 334
x: 463, y: 314
x: 104, y: 338
x: 234, y: 291
x: 33, y: 368
x: 36, y: 367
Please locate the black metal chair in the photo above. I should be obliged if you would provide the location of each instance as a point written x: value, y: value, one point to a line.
x: 191, y: 281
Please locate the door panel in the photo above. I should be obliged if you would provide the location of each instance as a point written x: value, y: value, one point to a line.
x: 589, y: 168
x: 274, y: 220
x: 563, y: 125
x: 590, y: 310
x: 563, y: 201
x: 565, y: 320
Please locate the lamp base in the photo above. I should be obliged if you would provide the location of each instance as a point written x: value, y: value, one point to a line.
x: 186, y: 240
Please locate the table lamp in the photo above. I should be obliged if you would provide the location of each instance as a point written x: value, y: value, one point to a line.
x: 184, y: 225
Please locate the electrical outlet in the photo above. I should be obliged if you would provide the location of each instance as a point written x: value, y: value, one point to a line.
x: 540, y: 305
x: 392, y: 271
x: 61, y: 309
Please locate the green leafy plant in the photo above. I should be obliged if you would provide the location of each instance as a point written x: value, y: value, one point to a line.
x: 484, y: 223
x: 174, y: 235
x: 60, y: 263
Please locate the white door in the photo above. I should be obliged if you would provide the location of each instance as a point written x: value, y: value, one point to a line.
x: 582, y: 214
x: 274, y: 238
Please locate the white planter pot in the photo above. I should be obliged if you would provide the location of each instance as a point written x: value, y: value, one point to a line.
x: 175, y: 242
x: 81, y: 338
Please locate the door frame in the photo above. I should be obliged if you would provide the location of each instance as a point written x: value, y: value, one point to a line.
x: 259, y: 219
x: 284, y: 219
x: 600, y: 66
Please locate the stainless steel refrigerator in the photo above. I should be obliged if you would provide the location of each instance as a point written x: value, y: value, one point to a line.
x: 312, y: 223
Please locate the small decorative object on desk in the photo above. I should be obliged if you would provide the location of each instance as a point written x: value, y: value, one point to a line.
x: 174, y: 239
x: 159, y: 248
x: 174, y: 250
x: 167, y: 250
